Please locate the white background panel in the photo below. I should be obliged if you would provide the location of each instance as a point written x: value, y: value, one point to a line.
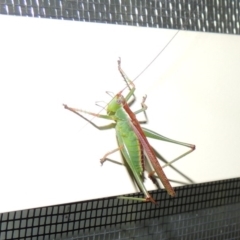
x: 50, y: 156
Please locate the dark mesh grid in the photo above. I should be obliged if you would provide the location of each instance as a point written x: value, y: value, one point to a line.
x: 198, y: 212
x: 203, y: 211
x: 198, y: 15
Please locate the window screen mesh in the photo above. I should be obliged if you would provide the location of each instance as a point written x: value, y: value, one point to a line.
x: 198, y: 212
x: 199, y: 15
x: 202, y: 211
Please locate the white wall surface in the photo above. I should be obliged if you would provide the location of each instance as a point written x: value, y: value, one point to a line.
x: 50, y: 156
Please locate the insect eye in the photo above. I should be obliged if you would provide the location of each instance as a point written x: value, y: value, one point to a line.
x: 119, y: 101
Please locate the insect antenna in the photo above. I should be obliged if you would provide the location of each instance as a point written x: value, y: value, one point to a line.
x: 156, y: 56
x: 98, y: 103
x: 111, y: 94
x: 154, y: 59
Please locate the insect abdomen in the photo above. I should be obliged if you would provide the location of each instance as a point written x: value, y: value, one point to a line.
x: 130, y: 146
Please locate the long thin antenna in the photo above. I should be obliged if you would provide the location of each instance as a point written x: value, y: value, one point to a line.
x: 155, y: 57
x: 146, y: 66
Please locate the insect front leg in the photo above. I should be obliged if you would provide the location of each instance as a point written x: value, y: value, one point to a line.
x: 77, y: 112
x: 131, y: 88
x: 129, y: 83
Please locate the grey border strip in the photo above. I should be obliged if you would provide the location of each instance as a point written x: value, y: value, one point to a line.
x: 221, y: 16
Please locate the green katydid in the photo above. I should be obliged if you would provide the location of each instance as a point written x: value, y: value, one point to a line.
x: 132, y: 139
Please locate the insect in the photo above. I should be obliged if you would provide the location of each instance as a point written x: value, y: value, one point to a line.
x: 132, y: 139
